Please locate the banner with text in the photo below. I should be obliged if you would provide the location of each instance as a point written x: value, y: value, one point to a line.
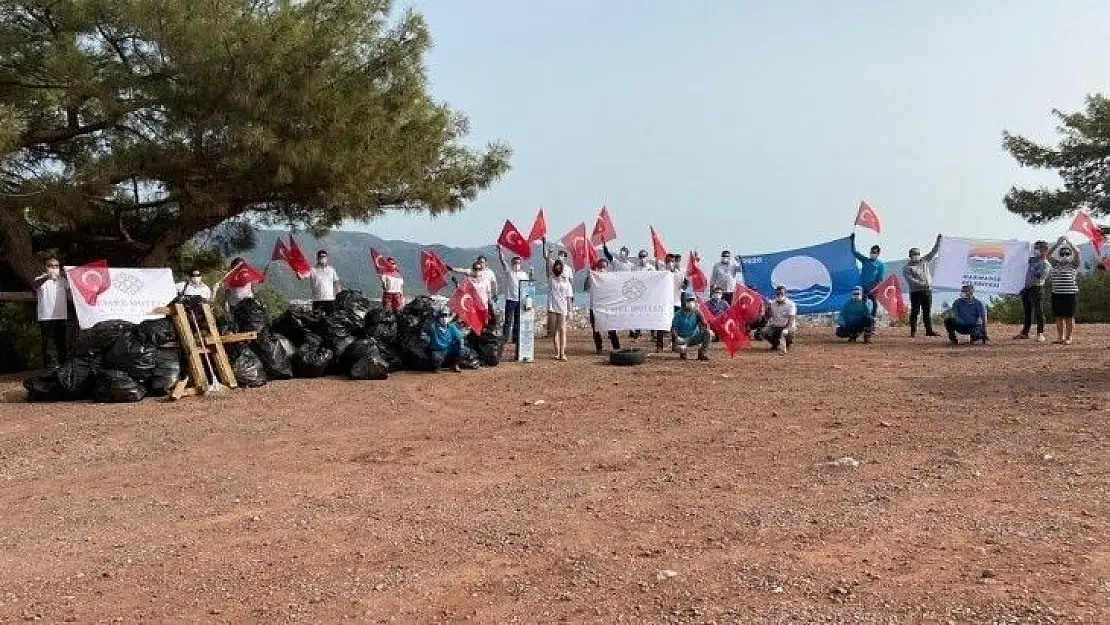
x: 632, y: 300
x: 991, y: 266
x: 131, y: 296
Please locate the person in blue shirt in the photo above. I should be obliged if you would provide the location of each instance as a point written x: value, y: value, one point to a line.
x: 872, y: 272
x: 968, y: 316
x: 688, y: 328
x: 445, y: 341
x: 717, y: 303
x: 855, y: 318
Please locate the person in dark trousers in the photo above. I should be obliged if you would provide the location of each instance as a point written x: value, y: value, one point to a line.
x: 855, y: 319
x: 919, y: 278
x: 325, y: 284
x: 968, y: 316
x: 515, y: 274
x: 614, y: 340
x: 1032, y: 306
x: 872, y: 272
x: 690, y: 329
x: 445, y: 342
x: 52, y: 293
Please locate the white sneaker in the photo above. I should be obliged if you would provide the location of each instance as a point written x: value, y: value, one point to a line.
x: 782, y: 348
x: 1040, y: 338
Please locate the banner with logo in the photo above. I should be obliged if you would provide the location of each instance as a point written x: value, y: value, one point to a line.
x: 131, y: 294
x: 632, y: 300
x: 819, y: 278
x: 991, y: 266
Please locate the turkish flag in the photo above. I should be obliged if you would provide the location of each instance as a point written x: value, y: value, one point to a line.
x: 747, y: 303
x: 866, y: 217
x: 384, y: 266
x: 729, y: 327
x: 539, y: 228
x: 657, y: 243
x: 433, y: 271
x: 592, y: 259
x: 512, y: 240
x: 281, y: 252
x: 243, y: 274
x: 1084, y: 224
x: 90, y: 280
x: 698, y: 281
x: 578, y: 247
x: 603, y: 229
x: 468, y: 305
x: 889, y: 294
x: 297, y: 260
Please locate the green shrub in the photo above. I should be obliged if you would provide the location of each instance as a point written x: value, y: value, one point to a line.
x: 1094, y: 302
x: 20, y: 347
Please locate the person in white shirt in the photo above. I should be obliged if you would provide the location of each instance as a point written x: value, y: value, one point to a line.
x: 235, y: 294
x: 621, y: 262
x: 559, y: 304
x: 194, y: 286
x: 549, y: 263
x: 680, y: 282
x: 725, y: 275
x: 483, y: 278
x: 515, y: 274
x: 53, y: 313
x: 325, y: 284
x: 642, y: 263
x: 782, y: 321
x: 393, y: 287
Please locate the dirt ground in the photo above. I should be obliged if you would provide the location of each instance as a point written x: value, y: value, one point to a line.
x: 720, y: 492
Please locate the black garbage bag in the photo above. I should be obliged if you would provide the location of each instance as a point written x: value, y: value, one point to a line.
x: 114, y: 387
x: 381, y: 324
x: 413, y: 349
x: 248, y: 368
x: 295, y: 324
x: 44, y: 387
x: 249, y: 315
x: 167, y: 371
x: 340, y: 329
x: 276, y: 353
x: 391, y: 357
x: 353, y: 301
x: 76, y: 377
x: 132, y: 356
x: 415, y: 316
x: 489, y: 346
x: 194, y: 306
x: 468, y: 358
x: 365, y: 361
x: 312, y: 358
x: 100, y: 337
x: 156, y: 332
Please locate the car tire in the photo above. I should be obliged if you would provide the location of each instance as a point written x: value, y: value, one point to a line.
x: 627, y: 357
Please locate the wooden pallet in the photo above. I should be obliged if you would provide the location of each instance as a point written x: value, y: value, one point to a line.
x: 195, y: 347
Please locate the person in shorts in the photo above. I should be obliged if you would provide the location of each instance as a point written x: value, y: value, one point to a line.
x: 1063, y: 283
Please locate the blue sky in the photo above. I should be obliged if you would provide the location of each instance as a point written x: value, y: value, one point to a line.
x: 758, y: 126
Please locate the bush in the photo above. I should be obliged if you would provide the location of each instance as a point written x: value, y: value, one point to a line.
x: 1094, y: 302
x: 19, y: 338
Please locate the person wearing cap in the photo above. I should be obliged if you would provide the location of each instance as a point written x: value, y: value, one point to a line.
x: 918, y: 275
x: 872, y: 272
x: 614, y: 340
x: 1064, y: 285
x: 194, y: 286
x: 967, y: 316
x: 689, y: 329
x: 855, y: 318
x: 621, y: 262
x: 1036, y: 274
x: 725, y: 275
x: 445, y: 342
x: 325, y: 284
x: 782, y: 321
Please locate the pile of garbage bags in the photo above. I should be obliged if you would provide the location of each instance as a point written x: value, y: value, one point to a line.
x: 116, y: 361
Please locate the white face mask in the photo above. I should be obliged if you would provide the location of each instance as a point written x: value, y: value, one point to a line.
x: 53, y: 272
x: 194, y: 279
x: 716, y: 296
x: 780, y: 298
x: 688, y: 305
x: 443, y: 320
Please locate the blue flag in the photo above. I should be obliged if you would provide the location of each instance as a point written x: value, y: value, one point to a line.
x: 819, y: 278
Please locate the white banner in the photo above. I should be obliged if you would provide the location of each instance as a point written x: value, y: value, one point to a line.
x: 632, y: 300
x: 991, y: 266
x: 130, y: 294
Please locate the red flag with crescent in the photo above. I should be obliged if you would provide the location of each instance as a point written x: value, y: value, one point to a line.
x: 243, y: 274
x: 603, y: 229
x: 657, y: 244
x: 866, y: 217
x: 281, y: 252
x: 90, y: 280
x: 577, y: 245
x: 298, y: 262
x: 748, y: 304
x: 1087, y: 226
x: 384, y: 266
x: 512, y: 240
x: 889, y: 294
x: 433, y: 271
x: 592, y: 259
x: 539, y: 228
x: 467, y: 304
x: 698, y: 281
x: 729, y: 327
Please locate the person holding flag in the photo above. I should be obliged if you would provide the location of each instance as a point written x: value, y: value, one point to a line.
x: 614, y: 340
x: 325, y: 284
x: 485, y: 281
x: 622, y: 261
x: 725, y: 275
x: 240, y: 281
x: 689, y: 329
x: 872, y: 272
x: 855, y: 318
x: 1036, y: 274
x: 918, y: 275
x: 393, y: 286
x: 514, y: 274
x: 52, y: 306
x: 1063, y: 283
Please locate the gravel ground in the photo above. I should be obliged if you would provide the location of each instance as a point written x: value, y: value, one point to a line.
x: 900, y: 482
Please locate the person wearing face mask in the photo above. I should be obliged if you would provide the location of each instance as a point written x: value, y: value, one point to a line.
x: 872, y: 272
x: 1063, y: 283
x: 1036, y: 274
x: 325, y: 284
x: 52, y: 304
x: 235, y: 294
x: 642, y: 263
x: 967, y: 316
x: 622, y: 262
x: 614, y: 340
x: 671, y: 265
x: 919, y: 278
x: 194, y: 286
x: 483, y: 278
x: 445, y: 342
x: 717, y: 303
x: 559, y: 304
x: 781, y: 322
x: 515, y: 273
x: 725, y: 275
x: 689, y: 329
x: 393, y: 287
x: 855, y: 318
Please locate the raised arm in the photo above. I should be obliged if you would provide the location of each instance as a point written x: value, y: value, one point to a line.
x: 608, y: 254
x: 933, y: 252
x: 1075, y: 260
x: 501, y: 257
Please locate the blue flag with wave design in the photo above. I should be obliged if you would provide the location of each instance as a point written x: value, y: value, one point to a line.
x: 819, y: 278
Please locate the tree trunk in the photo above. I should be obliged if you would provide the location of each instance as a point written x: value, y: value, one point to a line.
x: 19, y: 251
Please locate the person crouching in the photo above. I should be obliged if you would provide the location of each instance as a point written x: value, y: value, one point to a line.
x: 968, y: 316
x: 445, y: 341
x: 689, y: 329
x: 856, y: 318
